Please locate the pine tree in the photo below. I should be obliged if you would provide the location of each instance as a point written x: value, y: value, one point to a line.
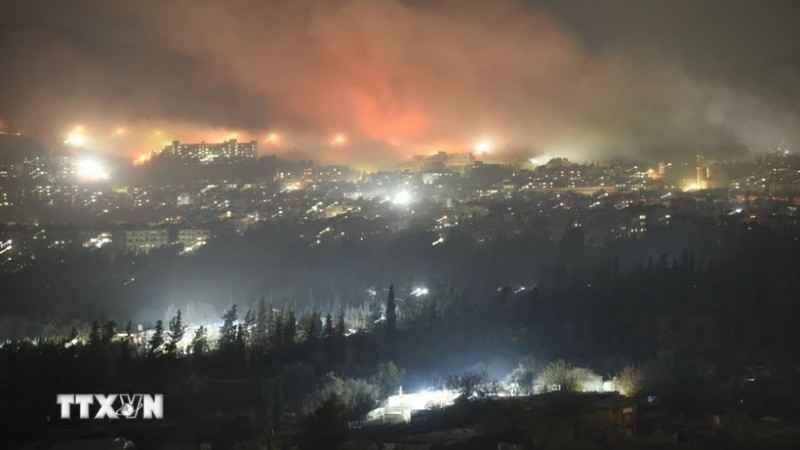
x: 227, y: 333
x: 125, y: 348
x: 289, y: 328
x: 199, y: 343
x: 340, y: 326
x: 249, y: 326
x: 276, y: 332
x: 303, y: 322
x: 327, y: 328
x: 176, y: 332
x: 157, y: 339
x: 391, y: 316
x: 311, y: 327
x: 270, y: 324
x: 261, y: 326
x: 109, y: 331
x: 241, y: 339
x: 94, y: 334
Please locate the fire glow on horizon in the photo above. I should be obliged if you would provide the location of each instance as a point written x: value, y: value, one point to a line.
x: 371, y: 83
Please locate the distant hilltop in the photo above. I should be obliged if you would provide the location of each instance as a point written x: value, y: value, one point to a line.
x: 204, y: 153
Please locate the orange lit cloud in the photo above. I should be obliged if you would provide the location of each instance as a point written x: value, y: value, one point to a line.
x: 396, y: 77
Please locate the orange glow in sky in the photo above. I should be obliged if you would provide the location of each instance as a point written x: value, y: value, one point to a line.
x: 483, y: 147
x: 75, y: 138
x: 141, y: 159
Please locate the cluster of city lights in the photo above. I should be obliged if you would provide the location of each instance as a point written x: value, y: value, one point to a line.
x: 78, y: 137
x: 402, y: 198
x: 91, y: 170
x: 98, y: 241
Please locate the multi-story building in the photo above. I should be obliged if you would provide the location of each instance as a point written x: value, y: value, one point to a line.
x: 143, y: 241
x: 185, y: 199
x: 228, y: 152
x: 442, y: 159
x: 191, y: 237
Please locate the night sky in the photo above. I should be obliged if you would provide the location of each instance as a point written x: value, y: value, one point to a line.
x: 581, y: 79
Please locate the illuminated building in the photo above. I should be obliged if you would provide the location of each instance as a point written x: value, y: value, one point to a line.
x: 399, y: 408
x: 192, y: 236
x: 338, y: 209
x: 62, y: 167
x: 701, y: 170
x: 143, y: 241
x: 459, y: 160
x: 443, y: 159
x: 228, y: 152
x: 98, y: 240
x: 184, y: 199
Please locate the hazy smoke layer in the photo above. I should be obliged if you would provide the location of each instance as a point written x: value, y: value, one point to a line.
x: 396, y: 77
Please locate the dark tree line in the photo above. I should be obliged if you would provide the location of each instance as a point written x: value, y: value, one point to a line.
x: 689, y: 314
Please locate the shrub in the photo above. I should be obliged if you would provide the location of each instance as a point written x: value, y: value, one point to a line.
x: 388, y: 378
x: 358, y: 396
x: 326, y: 426
x: 521, y: 380
x: 561, y: 376
x: 630, y: 380
x: 470, y: 384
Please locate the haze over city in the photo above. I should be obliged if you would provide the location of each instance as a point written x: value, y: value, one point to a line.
x: 397, y: 78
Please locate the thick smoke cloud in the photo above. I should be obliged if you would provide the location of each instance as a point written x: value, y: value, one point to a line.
x: 397, y: 77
